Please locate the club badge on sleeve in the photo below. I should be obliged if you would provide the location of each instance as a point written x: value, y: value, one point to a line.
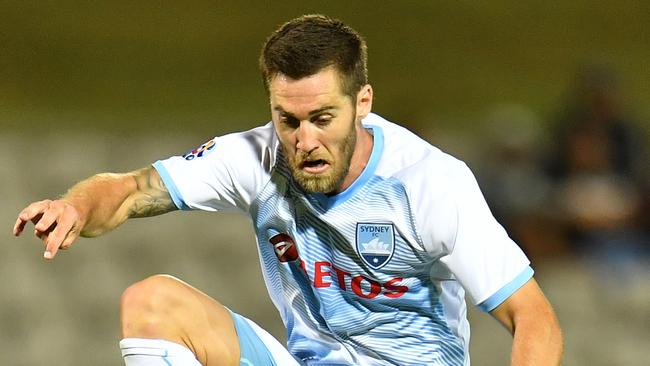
x: 200, y: 151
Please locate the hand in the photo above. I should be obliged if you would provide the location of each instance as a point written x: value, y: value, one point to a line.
x: 57, y: 223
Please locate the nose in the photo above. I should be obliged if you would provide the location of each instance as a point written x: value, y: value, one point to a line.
x: 307, y: 137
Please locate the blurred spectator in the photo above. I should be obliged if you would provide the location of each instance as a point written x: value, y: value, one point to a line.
x: 514, y: 182
x: 599, y: 169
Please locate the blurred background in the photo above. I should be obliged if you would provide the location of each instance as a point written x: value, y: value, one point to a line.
x: 547, y: 102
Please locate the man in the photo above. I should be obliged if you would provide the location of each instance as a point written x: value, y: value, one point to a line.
x: 368, y: 236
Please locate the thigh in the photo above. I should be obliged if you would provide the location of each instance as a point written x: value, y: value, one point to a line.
x: 165, y: 307
x: 211, y: 329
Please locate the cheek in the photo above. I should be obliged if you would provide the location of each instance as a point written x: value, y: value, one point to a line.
x: 287, y: 140
x: 335, y: 148
x: 289, y: 149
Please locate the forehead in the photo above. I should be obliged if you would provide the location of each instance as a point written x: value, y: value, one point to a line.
x: 322, y: 87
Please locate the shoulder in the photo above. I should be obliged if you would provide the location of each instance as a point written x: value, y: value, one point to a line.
x: 257, y: 147
x: 224, y: 172
x: 432, y: 180
x: 408, y: 157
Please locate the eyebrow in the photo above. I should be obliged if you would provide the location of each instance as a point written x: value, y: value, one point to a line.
x: 311, y: 113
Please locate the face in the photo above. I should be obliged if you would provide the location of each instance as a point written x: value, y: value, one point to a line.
x: 318, y: 128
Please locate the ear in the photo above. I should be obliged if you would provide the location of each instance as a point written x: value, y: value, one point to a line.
x: 364, y: 101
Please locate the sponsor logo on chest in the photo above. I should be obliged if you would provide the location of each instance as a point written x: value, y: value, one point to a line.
x: 375, y: 243
x: 284, y: 247
x: 322, y: 274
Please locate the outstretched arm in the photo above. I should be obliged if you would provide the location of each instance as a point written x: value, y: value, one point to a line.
x: 531, y: 320
x: 94, y: 206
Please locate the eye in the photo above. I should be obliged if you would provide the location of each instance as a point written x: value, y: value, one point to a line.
x: 322, y: 119
x: 289, y: 121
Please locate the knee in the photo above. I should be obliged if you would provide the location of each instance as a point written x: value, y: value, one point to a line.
x: 148, y: 305
x: 155, y: 293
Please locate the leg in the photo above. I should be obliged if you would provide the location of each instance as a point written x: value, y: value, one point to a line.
x: 163, y: 307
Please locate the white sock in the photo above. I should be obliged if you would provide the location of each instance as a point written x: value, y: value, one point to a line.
x: 156, y: 352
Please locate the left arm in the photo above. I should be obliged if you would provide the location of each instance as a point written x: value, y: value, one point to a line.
x: 528, y: 316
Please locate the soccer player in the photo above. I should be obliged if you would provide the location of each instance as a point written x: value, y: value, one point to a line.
x: 368, y: 236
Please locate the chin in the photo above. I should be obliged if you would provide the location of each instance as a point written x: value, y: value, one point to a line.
x: 317, y: 183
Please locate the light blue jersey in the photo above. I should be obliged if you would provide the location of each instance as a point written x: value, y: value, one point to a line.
x: 377, y: 274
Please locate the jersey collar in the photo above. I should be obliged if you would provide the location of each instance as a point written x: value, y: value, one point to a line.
x: 328, y: 202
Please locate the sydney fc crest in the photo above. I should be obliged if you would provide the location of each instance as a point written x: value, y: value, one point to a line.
x: 375, y: 243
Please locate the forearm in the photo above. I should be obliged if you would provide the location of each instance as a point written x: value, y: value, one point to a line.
x: 529, y: 317
x: 537, y: 343
x: 95, y: 206
x: 102, y: 201
x: 105, y: 201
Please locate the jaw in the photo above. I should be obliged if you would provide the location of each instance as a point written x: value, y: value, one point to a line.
x: 322, y: 179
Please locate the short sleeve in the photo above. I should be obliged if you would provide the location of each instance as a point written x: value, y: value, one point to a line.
x: 222, y: 174
x: 459, y: 230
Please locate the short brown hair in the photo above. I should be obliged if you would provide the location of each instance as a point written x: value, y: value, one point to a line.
x: 306, y: 45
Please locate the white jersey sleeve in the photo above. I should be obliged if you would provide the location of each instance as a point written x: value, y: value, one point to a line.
x: 459, y: 230
x: 223, y: 174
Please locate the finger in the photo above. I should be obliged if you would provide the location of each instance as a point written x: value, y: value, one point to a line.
x: 51, y: 247
x: 19, y: 226
x: 41, y: 235
x: 29, y: 213
x: 56, y: 238
x: 23, y: 223
x: 69, y: 239
x: 48, y: 219
x: 63, y: 230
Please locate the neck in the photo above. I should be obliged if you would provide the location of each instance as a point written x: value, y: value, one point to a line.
x: 359, y: 159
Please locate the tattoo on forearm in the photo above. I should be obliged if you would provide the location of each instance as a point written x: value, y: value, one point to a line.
x: 153, y: 198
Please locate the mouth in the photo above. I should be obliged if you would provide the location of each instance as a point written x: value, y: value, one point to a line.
x: 317, y: 166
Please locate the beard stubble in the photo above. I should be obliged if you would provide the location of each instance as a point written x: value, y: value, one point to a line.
x: 330, y: 181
